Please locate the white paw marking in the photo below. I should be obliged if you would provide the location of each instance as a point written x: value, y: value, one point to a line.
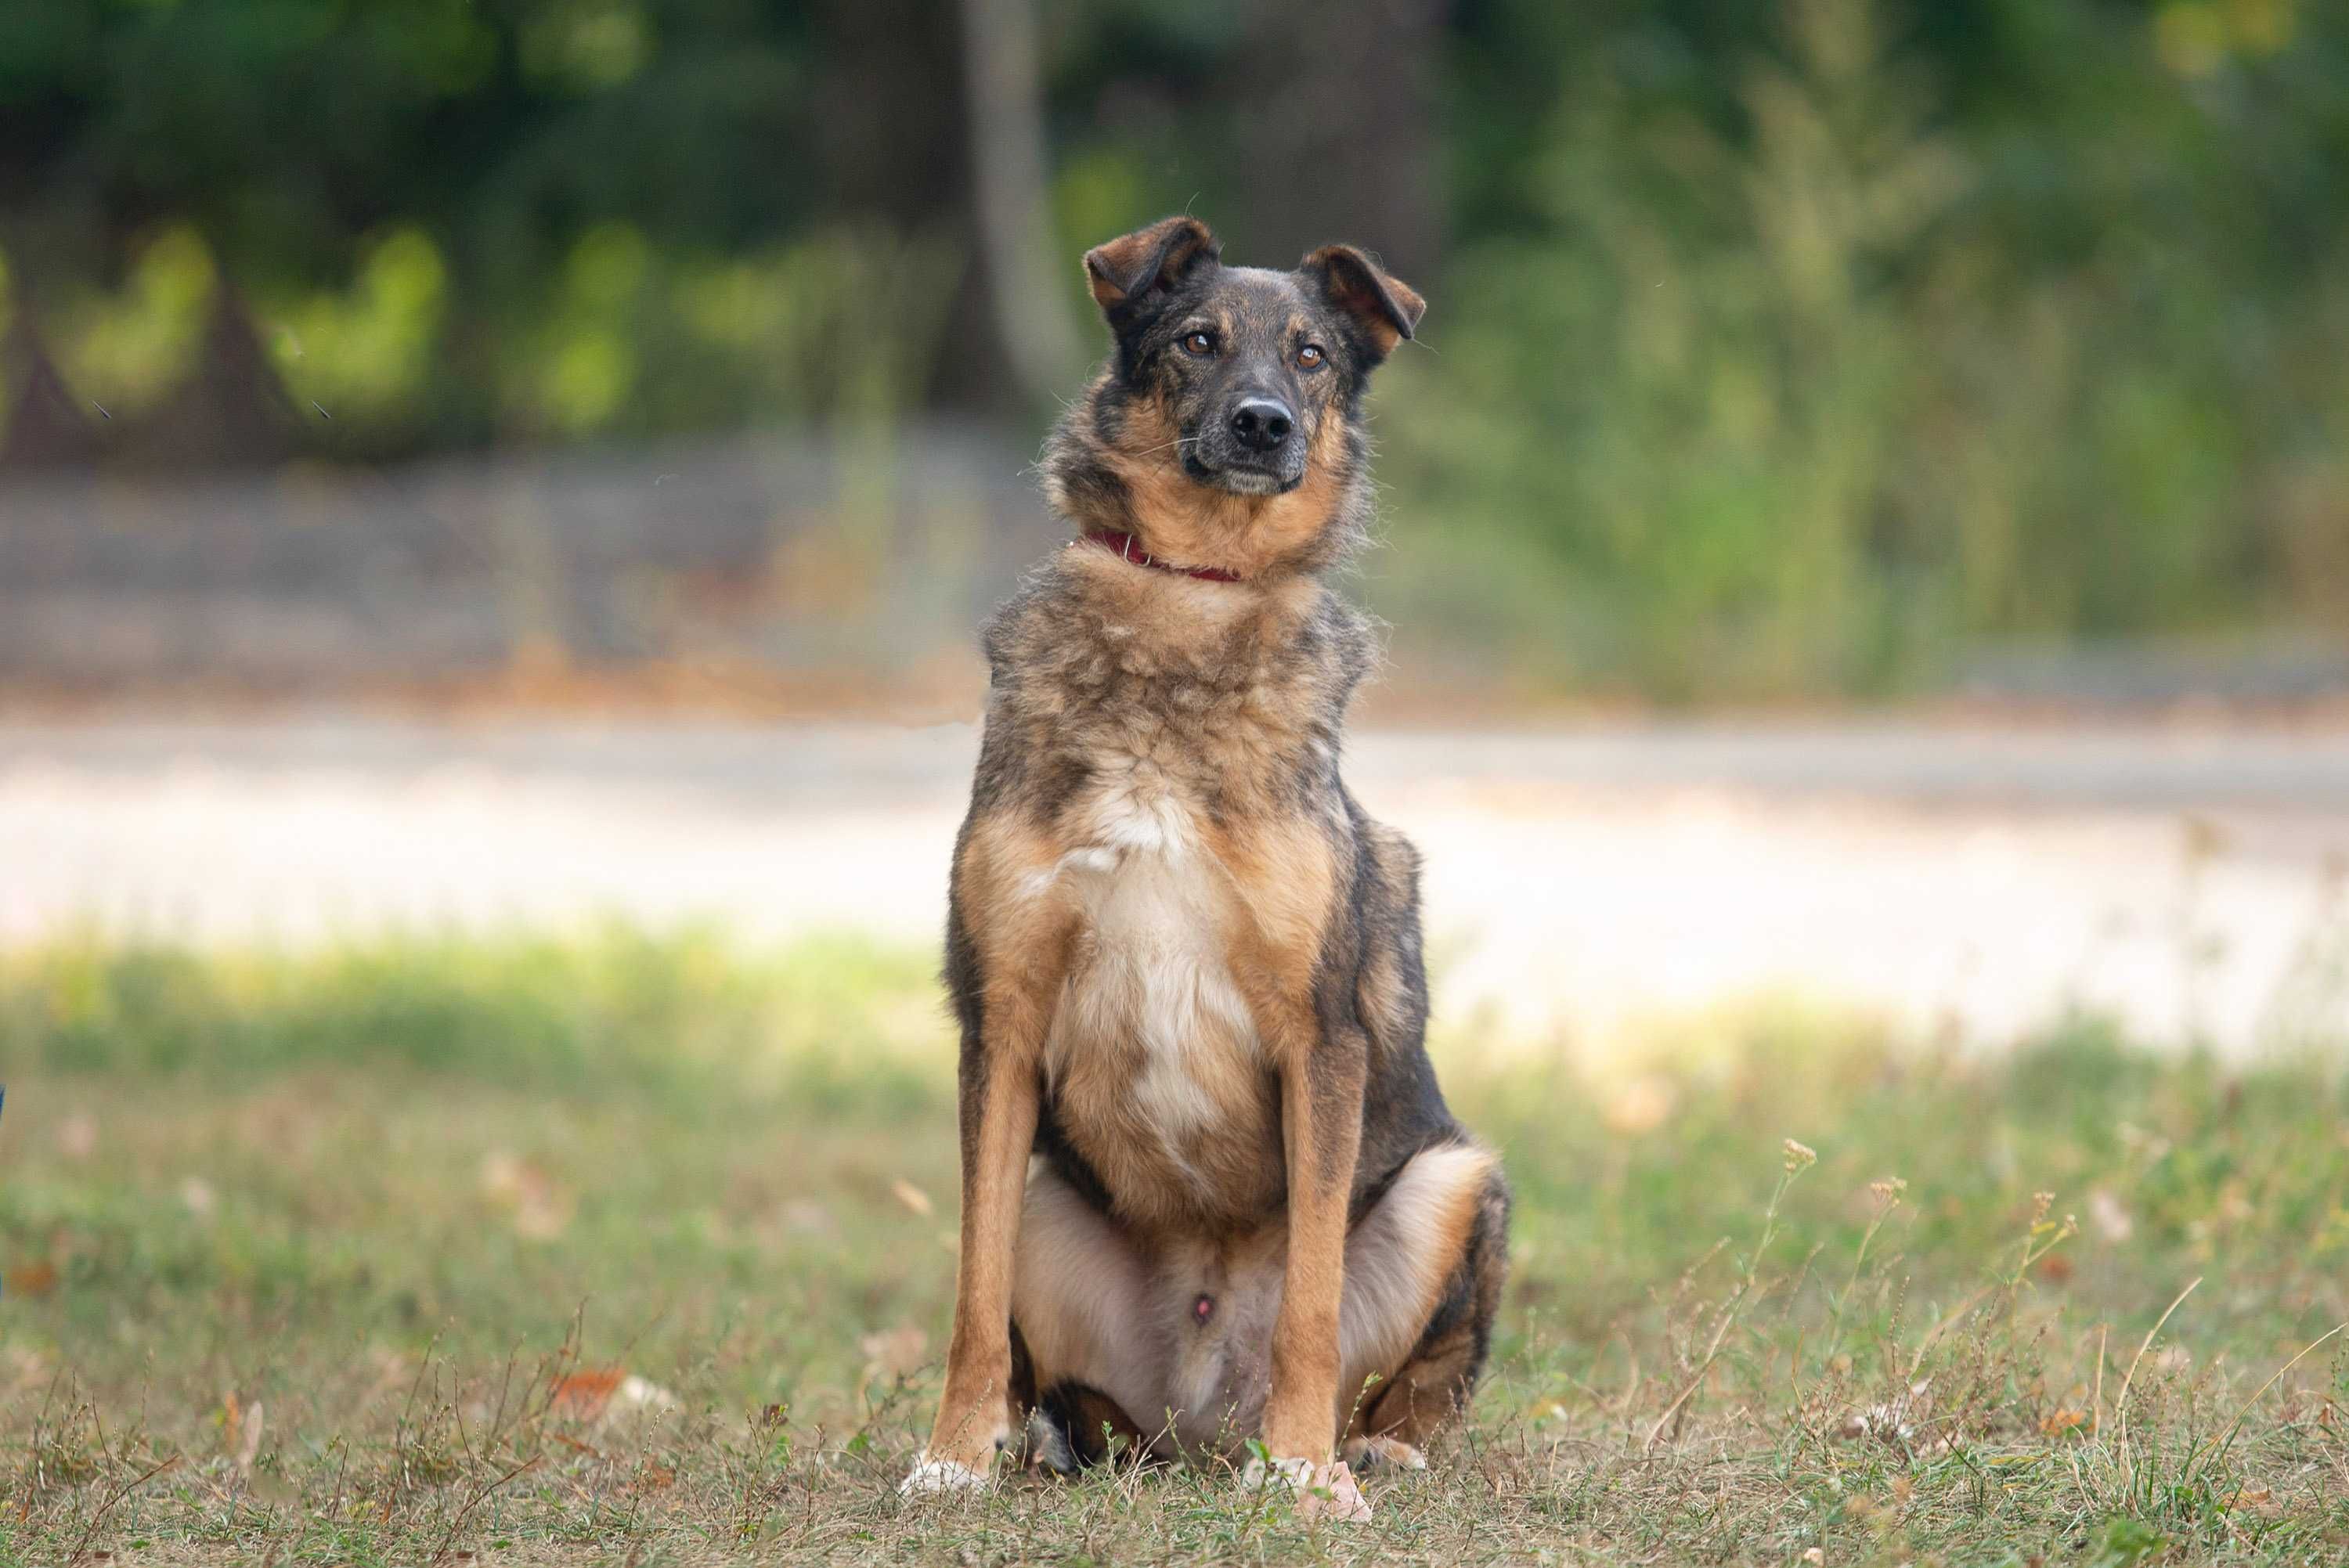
x: 1321, y: 1492
x: 931, y: 1478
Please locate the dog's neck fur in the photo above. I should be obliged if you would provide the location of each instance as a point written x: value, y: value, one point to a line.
x: 1238, y: 685
x: 1230, y: 691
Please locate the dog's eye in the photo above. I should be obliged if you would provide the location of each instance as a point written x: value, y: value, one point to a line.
x: 1198, y: 343
x: 1311, y: 357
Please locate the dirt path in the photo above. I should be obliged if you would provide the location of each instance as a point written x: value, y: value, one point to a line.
x: 1582, y: 884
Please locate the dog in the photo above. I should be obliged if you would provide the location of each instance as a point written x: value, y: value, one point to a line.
x: 1212, y: 1195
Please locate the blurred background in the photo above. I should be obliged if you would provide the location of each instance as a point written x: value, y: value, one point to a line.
x: 1809, y: 351
x: 1875, y: 478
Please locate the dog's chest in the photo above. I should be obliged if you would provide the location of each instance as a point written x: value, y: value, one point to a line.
x: 1153, y: 1059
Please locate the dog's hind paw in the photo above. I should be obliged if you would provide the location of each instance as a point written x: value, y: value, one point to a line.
x: 1321, y: 1492
x: 932, y: 1477
x: 1384, y: 1453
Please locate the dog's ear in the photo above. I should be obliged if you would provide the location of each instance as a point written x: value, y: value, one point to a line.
x: 1127, y: 270
x: 1385, y: 308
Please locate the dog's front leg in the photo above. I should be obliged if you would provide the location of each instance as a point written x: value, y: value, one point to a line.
x: 1286, y: 874
x: 998, y: 1118
x: 1021, y: 950
x: 1320, y: 1118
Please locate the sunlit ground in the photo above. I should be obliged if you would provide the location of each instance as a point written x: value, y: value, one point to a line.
x: 1974, y: 881
x: 617, y: 1249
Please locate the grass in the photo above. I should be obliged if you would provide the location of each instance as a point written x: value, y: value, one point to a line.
x: 615, y: 1249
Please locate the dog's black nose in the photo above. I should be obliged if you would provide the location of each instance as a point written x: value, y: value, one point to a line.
x: 1262, y: 424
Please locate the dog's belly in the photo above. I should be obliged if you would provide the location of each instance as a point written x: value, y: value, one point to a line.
x: 1152, y: 1064
x: 1176, y: 1327
x: 1100, y: 1303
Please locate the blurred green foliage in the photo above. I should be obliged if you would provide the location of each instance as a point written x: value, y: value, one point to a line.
x: 1799, y: 364
x: 1775, y: 348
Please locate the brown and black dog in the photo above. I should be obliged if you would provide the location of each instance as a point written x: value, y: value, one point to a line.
x: 1211, y: 1192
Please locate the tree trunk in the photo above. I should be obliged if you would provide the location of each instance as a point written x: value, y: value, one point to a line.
x: 1025, y: 281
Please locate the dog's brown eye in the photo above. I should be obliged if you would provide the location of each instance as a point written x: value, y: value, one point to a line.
x: 1198, y: 343
x: 1311, y: 357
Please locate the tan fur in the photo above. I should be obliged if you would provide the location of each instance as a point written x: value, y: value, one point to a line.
x: 1429, y: 1390
x: 1026, y: 954
x: 1359, y: 286
x: 1115, y: 270
x: 1320, y: 1122
x: 1154, y: 1055
x: 1400, y: 1258
x: 1251, y: 535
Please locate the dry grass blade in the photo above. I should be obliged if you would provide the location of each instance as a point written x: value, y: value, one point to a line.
x: 2227, y: 1440
x: 2096, y: 1399
x: 2120, y: 1405
x: 81, y: 1548
x: 450, y: 1540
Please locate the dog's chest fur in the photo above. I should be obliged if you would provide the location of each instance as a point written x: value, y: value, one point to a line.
x: 1152, y: 1063
x: 1162, y: 735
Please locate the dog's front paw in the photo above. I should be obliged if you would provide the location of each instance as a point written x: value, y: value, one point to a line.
x: 934, y: 1478
x: 1321, y: 1491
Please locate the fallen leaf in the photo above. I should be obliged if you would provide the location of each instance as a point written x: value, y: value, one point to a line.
x: 600, y: 1393
x: 582, y: 1395
x: 37, y: 1278
x: 2060, y: 1421
x: 913, y: 1197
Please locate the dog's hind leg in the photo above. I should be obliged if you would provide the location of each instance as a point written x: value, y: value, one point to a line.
x: 1424, y: 1269
x: 1080, y: 1307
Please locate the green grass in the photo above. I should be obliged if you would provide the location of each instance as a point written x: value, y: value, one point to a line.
x: 327, y: 1258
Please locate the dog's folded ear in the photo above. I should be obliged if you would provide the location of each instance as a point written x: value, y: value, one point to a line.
x: 1127, y: 270
x: 1386, y: 308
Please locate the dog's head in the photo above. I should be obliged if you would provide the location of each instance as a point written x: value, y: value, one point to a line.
x: 1223, y: 431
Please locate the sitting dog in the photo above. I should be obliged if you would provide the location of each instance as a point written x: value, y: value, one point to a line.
x: 1211, y: 1192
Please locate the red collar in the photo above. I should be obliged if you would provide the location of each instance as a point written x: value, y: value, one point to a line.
x: 1125, y: 547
